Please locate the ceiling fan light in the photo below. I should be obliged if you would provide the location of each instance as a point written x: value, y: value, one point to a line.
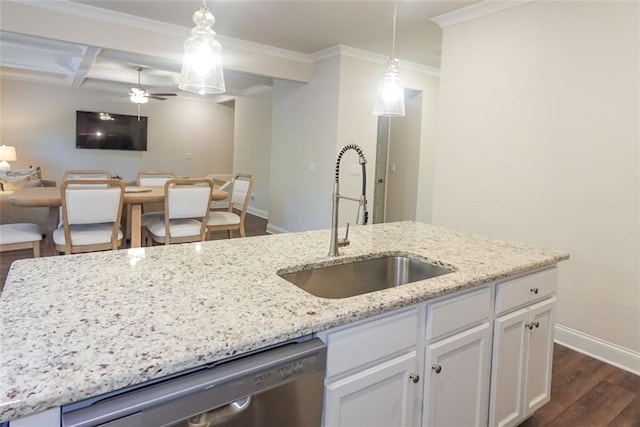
x: 390, y: 94
x: 138, y: 98
x: 202, y: 63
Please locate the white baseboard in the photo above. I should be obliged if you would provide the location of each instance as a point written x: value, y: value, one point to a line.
x: 612, y: 354
x: 258, y: 212
x: 272, y: 229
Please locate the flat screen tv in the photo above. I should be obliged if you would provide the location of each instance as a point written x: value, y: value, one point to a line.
x: 110, y: 131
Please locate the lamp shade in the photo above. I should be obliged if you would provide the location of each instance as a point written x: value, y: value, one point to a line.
x: 202, y: 63
x: 8, y: 153
x: 390, y: 94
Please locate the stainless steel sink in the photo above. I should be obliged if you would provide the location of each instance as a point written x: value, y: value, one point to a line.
x: 363, y: 276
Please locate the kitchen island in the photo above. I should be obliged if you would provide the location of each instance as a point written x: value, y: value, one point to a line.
x: 77, y: 326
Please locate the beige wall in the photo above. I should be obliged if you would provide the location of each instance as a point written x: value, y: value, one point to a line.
x: 311, y: 124
x: 304, y: 130
x: 538, y: 142
x: 404, y: 161
x: 252, y: 145
x: 40, y: 121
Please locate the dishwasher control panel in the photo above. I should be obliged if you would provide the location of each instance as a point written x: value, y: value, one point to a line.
x: 286, y: 372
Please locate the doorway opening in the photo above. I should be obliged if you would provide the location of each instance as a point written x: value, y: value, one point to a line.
x: 397, y: 162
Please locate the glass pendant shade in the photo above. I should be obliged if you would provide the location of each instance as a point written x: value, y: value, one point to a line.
x: 390, y: 94
x: 202, y: 63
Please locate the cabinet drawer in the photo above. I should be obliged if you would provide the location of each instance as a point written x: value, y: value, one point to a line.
x: 360, y: 345
x: 526, y: 289
x: 457, y: 313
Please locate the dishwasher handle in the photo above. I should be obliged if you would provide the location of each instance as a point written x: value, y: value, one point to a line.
x: 221, y: 415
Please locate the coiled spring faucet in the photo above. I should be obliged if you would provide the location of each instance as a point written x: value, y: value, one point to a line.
x: 363, y: 215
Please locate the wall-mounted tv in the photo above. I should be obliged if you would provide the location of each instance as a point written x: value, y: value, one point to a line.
x: 110, y: 131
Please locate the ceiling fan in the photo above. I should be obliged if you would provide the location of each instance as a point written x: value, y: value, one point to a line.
x: 140, y: 95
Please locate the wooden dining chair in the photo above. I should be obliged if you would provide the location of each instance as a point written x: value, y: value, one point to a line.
x: 229, y: 220
x: 186, y: 208
x: 152, y: 212
x: 14, y: 237
x: 91, y: 215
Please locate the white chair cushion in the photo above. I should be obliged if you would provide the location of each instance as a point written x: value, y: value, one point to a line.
x: 86, y: 234
x: 222, y: 218
x: 19, y: 233
x: 150, y: 218
x: 179, y: 228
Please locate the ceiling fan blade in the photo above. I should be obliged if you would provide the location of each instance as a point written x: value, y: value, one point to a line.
x: 159, y: 98
x: 163, y: 94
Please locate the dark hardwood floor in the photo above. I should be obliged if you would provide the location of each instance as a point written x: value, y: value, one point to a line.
x: 585, y: 392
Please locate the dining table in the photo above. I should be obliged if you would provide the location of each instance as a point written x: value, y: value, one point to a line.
x: 134, y: 198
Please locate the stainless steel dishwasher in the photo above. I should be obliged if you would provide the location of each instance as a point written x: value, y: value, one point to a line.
x: 278, y: 387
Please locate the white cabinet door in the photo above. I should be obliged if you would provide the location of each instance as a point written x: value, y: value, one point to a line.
x: 509, y: 358
x: 540, y: 354
x: 380, y: 396
x: 522, y: 360
x: 456, y: 389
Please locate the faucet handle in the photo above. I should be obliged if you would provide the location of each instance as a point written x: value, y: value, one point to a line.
x: 344, y: 242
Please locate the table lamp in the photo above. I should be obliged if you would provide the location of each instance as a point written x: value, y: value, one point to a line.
x: 7, y: 154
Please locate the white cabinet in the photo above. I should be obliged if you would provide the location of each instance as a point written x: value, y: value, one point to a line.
x: 370, y: 371
x: 470, y: 359
x: 456, y: 386
x: 522, y: 348
x: 380, y: 396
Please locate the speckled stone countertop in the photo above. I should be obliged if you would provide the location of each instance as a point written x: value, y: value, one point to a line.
x: 77, y: 326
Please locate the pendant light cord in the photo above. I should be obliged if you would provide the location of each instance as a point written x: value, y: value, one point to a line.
x: 393, y: 39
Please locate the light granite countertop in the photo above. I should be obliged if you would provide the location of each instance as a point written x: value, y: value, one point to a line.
x: 77, y: 326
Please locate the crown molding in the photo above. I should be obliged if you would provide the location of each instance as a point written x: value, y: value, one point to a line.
x: 365, y: 55
x: 118, y: 18
x: 104, y: 15
x: 475, y: 11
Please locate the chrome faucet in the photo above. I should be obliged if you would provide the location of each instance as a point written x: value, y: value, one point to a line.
x: 363, y: 216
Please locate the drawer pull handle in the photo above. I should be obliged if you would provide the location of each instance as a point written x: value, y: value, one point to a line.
x: 534, y: 290
x: 415, y: 378
x: 536, y: 324
x: 437, y: 368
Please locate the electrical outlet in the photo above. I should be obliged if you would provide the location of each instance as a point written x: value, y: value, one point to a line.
x: 298, y: 220
x: 311, y: 167
x: 253, y: 196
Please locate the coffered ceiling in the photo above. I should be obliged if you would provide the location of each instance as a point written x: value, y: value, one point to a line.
x: 301, y: 27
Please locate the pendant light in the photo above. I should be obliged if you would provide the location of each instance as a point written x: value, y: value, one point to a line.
x: 390, y: 95
x: 202, y: 63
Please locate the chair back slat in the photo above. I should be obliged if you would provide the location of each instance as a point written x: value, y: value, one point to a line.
x: 88, y: 174
x: 154, y: 178
x: 92, y: 205
x: 240, y: 191
x: 188, y: 201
